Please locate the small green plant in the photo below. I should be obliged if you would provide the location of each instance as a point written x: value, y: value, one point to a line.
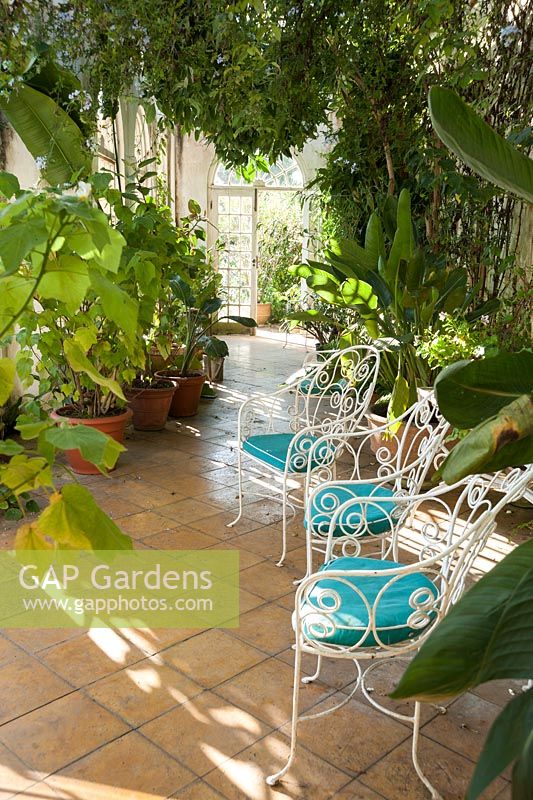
x: 457, y: 339
x: 198, y: 311
x: 13, y: 507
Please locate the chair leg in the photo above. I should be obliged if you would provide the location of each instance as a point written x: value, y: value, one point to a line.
x: 416, y: 731
x: 314, y: 676
x: 239, y: 471
x: 272, y: 780
x: 284, y: 528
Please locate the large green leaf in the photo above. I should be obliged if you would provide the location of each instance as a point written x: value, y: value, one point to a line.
x: 505, y: 440
x: 95, y: 446
x: 374, y: 239
x: 478, y: 145
x: 486, y: 636
x: 81, y: 363
x: 403, y: 243
x: 7, y: 379
x: 66, y: 279
x: 9, y: 184
x: 348, y: 250
x: 356, y: 292
x: 469, y: 392
x: 48, y: 132
x: 74, y: 520
x: 122, y: 309
x: 17, y: 240
x: 510, y: 738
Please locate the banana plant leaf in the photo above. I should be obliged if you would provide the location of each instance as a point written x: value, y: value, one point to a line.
x: 48, y: 132
x: 478, y: 145
x: 469, y: 392
x: 487, y: 635
x: 497, y: 394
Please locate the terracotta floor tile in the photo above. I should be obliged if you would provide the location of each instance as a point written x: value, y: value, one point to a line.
x: 186, y: 512
x: 144, y: 524
x: 267, y: 628
x: 14, y: 774
x: 51, y: 737
x: 267, y: 580
x: 217, y: 525
x: 337, y: 673
x: 264, y: 511
x: 87, y: 658
x: 198, y: 791
x: 145, y: 494
x: 189, y: 485
x: 118, y: 771
x: 465, y: 725
x: 227, y: 476
x: 499, y: 692
x: 118, y: 506
x: 266, y: 692
x: 24, y: 685
x: 149, y: 641
x: 247, y: 601
x: 394, y: 775
x: 243, y: 777
x: 212, y: 657
x: 181, y: 539
x: 246, y: 559
x: 36, y: 639
x: 9, y: 651
x: 144, y: 691
x: 352, y: 737
x: 205, y: 732
x: 356, y: 790
x: 266, y: 541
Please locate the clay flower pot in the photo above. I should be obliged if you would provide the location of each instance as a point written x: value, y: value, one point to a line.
x: 188, y: 390
x: 114, y: 425
x: 150, y: 406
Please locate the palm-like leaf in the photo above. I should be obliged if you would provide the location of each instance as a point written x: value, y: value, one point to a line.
x: 480, y: 147
x: 48, y: 132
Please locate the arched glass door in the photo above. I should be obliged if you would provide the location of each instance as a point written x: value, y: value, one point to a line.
x: 234, y: 208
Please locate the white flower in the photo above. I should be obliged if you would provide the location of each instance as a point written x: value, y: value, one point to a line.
x: 73, y: 95
x: 40, y: 161
x: 442, y: 316
x: 82, y: 190
x: 485, y: 319
x: 479, y: 352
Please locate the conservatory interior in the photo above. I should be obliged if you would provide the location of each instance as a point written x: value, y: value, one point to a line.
x: 266, y: 400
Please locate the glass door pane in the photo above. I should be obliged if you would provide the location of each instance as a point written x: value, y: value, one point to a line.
x: 234, y: 215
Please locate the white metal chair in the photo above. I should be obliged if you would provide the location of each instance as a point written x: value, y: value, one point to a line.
x: 390, y: 460
x: 329, y: 395
x: 371, y: 609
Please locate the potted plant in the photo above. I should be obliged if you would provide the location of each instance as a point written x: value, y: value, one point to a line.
x: 398, y: 289
x: 197, y: 317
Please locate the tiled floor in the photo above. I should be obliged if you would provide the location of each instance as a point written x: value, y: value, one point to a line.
x: 201, y: 715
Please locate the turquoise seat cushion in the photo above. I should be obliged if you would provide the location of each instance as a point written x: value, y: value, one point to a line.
x: 273, y: 449
x: 366, y: 519
x: 311, y: 387
x: 348, y: 619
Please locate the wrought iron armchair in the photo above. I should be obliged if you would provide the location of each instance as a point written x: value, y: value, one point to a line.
x: 276, y: 432
x: 382, y: 463
x: 371, y: 609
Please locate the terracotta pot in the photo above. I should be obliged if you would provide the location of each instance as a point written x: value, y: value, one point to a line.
x: 114, y: 426
x: 263, y: 313
x: 187, y: 395
x: 150, y: 407
x: 409, y: 440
